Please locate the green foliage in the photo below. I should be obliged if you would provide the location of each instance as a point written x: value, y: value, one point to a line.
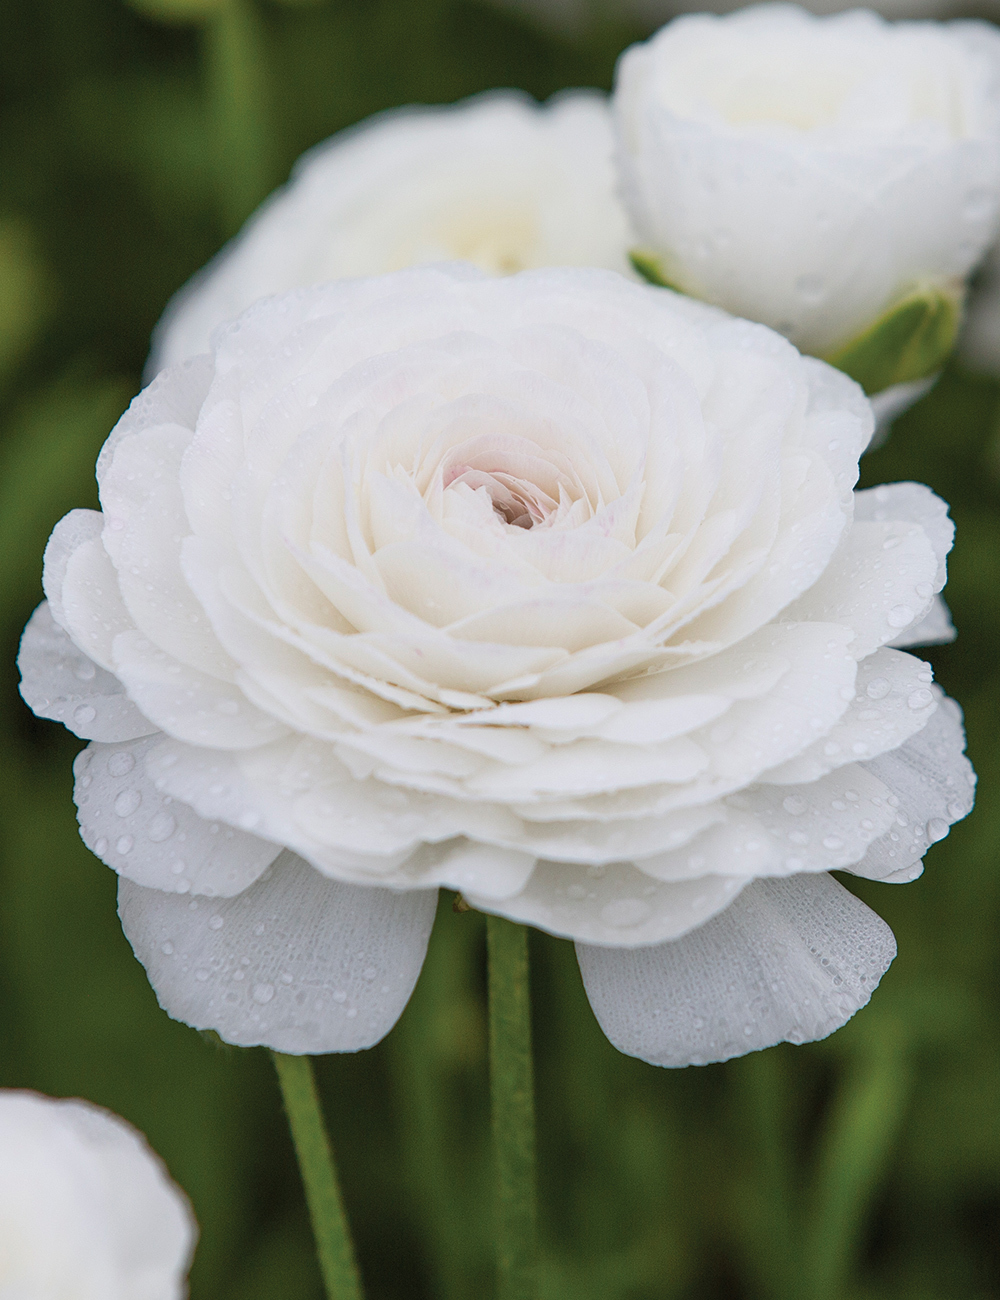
x: 911, y: 340
x: 866, y: 1167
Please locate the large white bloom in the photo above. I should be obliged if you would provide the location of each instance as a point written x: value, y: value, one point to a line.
x: 807, y: 172
x: 498, y: 180
x: 87, y: 1210
x: 550, y: 589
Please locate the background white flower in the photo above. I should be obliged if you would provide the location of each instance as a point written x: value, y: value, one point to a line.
x: 87, y: 1210
x: 497, y: 180
x: 806, y: 172
x: 551, y: 589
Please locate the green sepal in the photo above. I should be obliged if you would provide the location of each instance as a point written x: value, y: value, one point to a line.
x: 650, y: 267
x: 910, y: 341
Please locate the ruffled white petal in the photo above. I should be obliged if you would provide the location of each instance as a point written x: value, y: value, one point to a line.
x: 935, y: 628
x: 297, y: 963
x: 914, y: 503
x: 58, y: 681
x: 617, y: 904
x: 788, y: 961
x: 153, y: 839
x: 187, y: 703
x: 932, y: 786
x: 892, y: 700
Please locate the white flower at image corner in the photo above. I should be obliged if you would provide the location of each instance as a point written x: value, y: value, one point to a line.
x: 87, y: 1210
x: 497, y: 180
x: 550, y: 589
x: 809, y: 172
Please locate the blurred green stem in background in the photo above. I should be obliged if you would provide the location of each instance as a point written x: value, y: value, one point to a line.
x: 239, y: 95
x: 760, y: 1086
x: 512, y: 1093
x: 319, y: 1174
x: 865, y: 1117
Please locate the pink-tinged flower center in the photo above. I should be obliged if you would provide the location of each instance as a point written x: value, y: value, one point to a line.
x: 517, y: 501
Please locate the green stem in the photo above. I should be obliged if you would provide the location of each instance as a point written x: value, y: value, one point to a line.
x: 765, y: 1201
x: 513, y: 1103
x: 867, y: 1112
x: 319, y: 1174
x: 236, y: 72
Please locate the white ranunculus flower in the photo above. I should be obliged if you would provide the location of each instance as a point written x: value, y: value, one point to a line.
x: 87, y: 1210
x: 550, y: 589
x: 809, y: 172
x: 497, y: 180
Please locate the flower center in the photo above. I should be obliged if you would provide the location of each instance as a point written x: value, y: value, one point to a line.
x: 517, y: 501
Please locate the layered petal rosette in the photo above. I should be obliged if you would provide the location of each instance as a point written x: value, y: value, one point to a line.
x: 497, y: 180
x: 87, y: 1210
x: 552, y: 590
x: 836, y: 178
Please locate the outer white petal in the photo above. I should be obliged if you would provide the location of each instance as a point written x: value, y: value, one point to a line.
x: 935, y: 628
x: 81, y: 585
x: 58, y: 681
x: 915, y: 503
x: 616, y: 905
x: 893, y: 699
x: 175, y: 396
x: 861, y: 591
x: 189, y: 704
x: 788, y: 961
x: 771, y: 830
x: 932, y: 784
x: 71, y: 532
x: 86, y: 1208
x: 155, y: 840
x: 297, y: 962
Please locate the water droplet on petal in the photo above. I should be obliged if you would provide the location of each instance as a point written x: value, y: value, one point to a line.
x: 624, y: 912
x: 900, y: 616
x: 263, y: 993
x: 161, y: 827
x: 128, y: 802
x: 121, y: 764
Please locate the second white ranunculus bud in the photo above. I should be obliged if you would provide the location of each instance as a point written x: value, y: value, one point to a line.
x: 815, y: 173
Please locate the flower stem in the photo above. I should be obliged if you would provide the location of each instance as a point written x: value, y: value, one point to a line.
x: 513, y: 1103
x: 236, y: 70
x: 319, y: 1174
x: 867, y: 1113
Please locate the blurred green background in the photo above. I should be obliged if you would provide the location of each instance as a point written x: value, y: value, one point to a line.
x: 133, y: 141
